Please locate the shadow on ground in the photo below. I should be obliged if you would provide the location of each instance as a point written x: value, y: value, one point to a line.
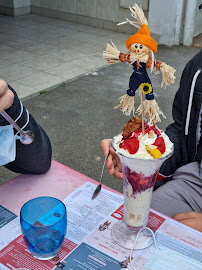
x: 80, y: 114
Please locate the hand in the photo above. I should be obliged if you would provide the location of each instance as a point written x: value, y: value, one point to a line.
x: 113, y: 162
x: 191, y: 219
x: 6, y: 96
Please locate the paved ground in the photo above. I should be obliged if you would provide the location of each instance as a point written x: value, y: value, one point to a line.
x: 78, y: 114
x: 38, y: 53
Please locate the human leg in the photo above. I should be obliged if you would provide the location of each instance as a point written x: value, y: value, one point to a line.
x: 182, y: 194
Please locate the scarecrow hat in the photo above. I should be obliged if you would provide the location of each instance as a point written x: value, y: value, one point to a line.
x: 142, y: 37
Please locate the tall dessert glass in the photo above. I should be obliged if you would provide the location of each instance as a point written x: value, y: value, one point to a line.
x: 139, y: 177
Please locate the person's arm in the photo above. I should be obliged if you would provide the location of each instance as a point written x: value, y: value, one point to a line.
x: 175, y: 131
x: 34, y: 158
x: 6, y: 96
x: 191, y: 219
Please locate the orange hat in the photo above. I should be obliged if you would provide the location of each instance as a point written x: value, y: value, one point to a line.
x: 142, y: 37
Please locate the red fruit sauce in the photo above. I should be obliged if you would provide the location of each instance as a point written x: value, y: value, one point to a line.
x: 138, y: 181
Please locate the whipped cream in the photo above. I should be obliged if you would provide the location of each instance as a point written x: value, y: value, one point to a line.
x: 143, y: 141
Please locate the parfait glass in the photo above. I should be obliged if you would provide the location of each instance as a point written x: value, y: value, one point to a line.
x: 139, y: 176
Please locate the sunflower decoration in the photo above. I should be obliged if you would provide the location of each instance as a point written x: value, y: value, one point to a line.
x: 141, y: 49
x: 146, y: 88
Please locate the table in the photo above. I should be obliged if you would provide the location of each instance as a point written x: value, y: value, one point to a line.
x: 60, y: 180
x: 88, y: 243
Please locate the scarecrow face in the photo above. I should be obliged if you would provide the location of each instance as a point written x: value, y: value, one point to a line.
x: 139, y: 49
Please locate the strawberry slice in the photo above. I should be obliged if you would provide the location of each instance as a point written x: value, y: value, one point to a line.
x: 160, y: 144
x: 130, y: 144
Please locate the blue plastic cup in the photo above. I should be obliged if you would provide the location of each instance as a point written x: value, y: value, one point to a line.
x: 43, y: 223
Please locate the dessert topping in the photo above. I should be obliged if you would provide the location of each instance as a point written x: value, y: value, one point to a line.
x: 155, y: 153
x: 132, y: 145
x: 134, y: 124
x: 160, y: 144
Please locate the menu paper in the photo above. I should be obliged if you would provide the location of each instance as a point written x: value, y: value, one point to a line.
x: 89, y: 245
x: 9, y: 227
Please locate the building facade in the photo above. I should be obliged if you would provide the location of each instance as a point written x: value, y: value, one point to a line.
x: 173, y: 21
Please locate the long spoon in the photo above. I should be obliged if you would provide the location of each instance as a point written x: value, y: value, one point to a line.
x: 26, y: 137
x: 98, y: 188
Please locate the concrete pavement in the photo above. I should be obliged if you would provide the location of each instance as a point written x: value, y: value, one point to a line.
x: 38, y: 53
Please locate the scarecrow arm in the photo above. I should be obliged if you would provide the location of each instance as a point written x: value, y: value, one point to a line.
x: 157, y: 64
x: 111, y: 54
x: 167, y: 71
x: 124, y: 57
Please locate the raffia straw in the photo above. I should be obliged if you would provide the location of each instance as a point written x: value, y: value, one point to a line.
x: 152, y: 111
x: 127, y: 104
x: 111, y: 54
x: 138, y: 14
x: 168, y: 77
x: 142, y: 112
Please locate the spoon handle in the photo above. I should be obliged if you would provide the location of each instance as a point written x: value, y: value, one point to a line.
x: 12, y: 122
x: 104, y: 165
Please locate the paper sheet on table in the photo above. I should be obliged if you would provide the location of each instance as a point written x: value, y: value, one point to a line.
x: 9, y: 227
x: 84, y: 214
x: 164, y: 258
x: 178, y: 237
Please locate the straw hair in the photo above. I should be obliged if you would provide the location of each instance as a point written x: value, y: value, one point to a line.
x: 138, y: 14
x: 152, y: 65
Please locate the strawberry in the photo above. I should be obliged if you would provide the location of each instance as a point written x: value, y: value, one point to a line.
x: 160, y: 144
x: 148, y: 129
x: 144, y: 181
x: 130, y: 144
x: 157, y: 132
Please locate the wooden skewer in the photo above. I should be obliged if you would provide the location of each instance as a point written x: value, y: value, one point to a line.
x: 142, y: 112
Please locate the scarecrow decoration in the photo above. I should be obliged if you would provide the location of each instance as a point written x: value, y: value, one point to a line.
x: 141, y: 49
